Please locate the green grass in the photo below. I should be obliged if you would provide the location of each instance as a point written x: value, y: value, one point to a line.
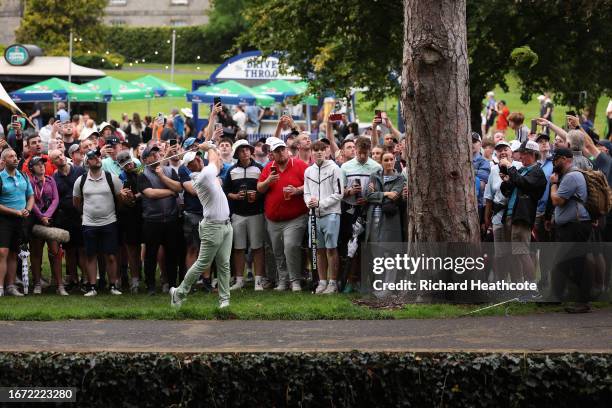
x: 245, y: 305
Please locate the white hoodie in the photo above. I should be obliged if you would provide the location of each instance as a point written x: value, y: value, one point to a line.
x: 325, y: 183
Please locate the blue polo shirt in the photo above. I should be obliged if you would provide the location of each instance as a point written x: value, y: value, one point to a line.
x: 15, y: 190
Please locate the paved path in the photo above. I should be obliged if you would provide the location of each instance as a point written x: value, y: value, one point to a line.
x: 552, y: 332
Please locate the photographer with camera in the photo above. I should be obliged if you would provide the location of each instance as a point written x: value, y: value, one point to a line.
x: 524, y: 188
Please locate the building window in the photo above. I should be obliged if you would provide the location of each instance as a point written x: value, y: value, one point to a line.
x: 179, y: 2
x: 117, y: 22
x: 118, y: 2
x: 178, y: 23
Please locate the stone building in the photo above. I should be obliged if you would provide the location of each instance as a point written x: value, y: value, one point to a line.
x: 133, y: 13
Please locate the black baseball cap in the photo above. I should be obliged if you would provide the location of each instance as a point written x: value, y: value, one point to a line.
x: 542, y: 136
x: 36, y: 160
x: 148, y: 150
x: 562, y: 152
x: 93, y: 153
x: 112, y: 140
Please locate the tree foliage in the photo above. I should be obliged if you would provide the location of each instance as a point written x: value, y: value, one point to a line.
x: 340, y: 44
x: 47, y: 23
x: 572, y: 40
x: 225, y: 23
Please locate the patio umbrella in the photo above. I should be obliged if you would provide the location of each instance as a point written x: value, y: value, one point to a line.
x: 55, y: 89
x: 230, y: 92
x: 117, y: 90
x: 159, y: 87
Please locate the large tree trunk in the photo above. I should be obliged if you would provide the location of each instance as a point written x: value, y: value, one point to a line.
x: 436, y: 109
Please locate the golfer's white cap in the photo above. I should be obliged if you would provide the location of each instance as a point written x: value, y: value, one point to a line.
x: 274, y: 143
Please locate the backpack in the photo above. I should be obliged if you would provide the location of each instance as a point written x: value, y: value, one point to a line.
x: 109, y: 180
x: 599, y: 194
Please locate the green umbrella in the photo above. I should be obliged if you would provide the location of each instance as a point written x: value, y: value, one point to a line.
x: 55, y: 89
x: 230, y: 92
x: 279, y: 89
x: 117, y: 90
x: 159, y: 87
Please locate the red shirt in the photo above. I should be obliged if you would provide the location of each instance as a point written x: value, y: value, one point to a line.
x: 49, y: 167
x: 276, y: 208
x: 502, y: 120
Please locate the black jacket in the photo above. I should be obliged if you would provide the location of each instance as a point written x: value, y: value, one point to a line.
x: 530, y: 187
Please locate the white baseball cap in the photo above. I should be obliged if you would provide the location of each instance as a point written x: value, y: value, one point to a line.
x: 530, y: 145
x: 188, y: 158
x: 86, y: 132
x: 515, y: 145
x: 275, y: 143
x: 187, y: 112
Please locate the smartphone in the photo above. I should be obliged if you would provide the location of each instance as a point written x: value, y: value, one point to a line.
x: 285, y: 112
x: 57, y: 118
x: 173, y: 142
x: 216, y: 100
x: 273, y: 169
x: 14, y: 119
x: 377, y: 114
x: 160, y: 118
x: 335, y: 117
x: 218, y: 126
x: 534, y: 126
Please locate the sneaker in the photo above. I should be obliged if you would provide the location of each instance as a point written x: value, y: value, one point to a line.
x: 175, y: 301
x: 61, y: 291
x: 18, y: 282
x: 91, y: 292
x: 320, y: 287
x: 258, y: 286
x: 37, y: 289
x: 267, y: 283
x: 296, y: 286
x: 238, y: 285
x: 281, y: 286
x: 332, y: 288
x: 115, y: 291
x: 13, y: 291
x: 1, y: 292
x: 165, y: 288
x: 224, y: 304
x: 134, y: 288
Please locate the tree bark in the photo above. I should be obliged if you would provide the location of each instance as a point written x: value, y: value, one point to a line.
x: 436, y: 109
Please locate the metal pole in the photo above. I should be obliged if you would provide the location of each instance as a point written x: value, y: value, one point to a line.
x: 69, y: 66
x: 172, y: 62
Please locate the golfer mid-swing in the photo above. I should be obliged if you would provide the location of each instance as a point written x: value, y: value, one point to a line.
x: 215, y: 229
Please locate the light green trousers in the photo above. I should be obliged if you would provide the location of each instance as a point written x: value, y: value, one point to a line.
x: 215, y: 244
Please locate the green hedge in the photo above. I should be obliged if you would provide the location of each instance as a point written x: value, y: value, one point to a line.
x: 319, y: 380
x: 137, y: 43
x: 99, y: 60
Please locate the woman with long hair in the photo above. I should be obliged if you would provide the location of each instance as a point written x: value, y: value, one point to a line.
x: 46, y: 200
x: 135, y: 130
x: 384, y: 198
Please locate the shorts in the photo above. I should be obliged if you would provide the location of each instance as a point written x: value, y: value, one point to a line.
x: 12, y: 233
x: 130, y: 229
x: 251, y: 227
x: 328, y: 230
x: 501, y: 240
x: 520, y: 236
x: 191, y: 232
x: 102, y: 239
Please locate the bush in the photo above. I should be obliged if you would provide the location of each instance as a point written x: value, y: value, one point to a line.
x: 99, y: 60
x: 319, y: 380
x: 137, y: 43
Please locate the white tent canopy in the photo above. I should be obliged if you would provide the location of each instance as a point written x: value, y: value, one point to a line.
x: 48, y: 66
